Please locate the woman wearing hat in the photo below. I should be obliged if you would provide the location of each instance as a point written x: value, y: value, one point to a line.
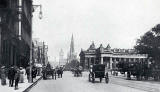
x: 22, y: 72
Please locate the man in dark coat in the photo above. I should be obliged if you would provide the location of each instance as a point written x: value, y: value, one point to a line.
x: 34, y: 72
x: 28, y: 72
x: 17, y: 77
x: 11, y: 74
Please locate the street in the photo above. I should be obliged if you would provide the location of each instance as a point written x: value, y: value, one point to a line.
x: 69, y: 83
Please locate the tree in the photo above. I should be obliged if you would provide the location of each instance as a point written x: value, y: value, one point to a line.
x: 149, y: 44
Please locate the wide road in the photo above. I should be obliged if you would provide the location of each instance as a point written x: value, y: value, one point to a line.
x: 150, y: 86
x: 69, y: 83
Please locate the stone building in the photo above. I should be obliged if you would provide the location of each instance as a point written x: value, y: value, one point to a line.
x: 108, y: 56
x: 15, y: 32
x: 40, y: 52
x: 62, y: 61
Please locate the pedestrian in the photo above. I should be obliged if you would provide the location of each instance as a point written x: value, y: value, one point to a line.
x: 107, y: 77
x: 17, y: 77
x: 28, y: 73
x: 34, y: 72
x: 11, y: 74
x: 22, y: 72
x: 58, y: 72
x: 61, y: 69
x: 3, y: 75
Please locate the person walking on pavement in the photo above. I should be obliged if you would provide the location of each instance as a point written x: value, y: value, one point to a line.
x: 22, y: 72
x: 34, y: 72
x: 3, y: 75
x: 17, y: 76
x: 11, y: 74
x: 28, y: 72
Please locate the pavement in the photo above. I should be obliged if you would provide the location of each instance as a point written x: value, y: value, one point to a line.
x: 69, y: 83
x: 22, y: 86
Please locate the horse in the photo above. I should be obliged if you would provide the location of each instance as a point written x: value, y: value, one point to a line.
x: 60, y: 72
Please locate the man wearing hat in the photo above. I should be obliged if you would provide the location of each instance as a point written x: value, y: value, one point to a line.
x: 11, y: 74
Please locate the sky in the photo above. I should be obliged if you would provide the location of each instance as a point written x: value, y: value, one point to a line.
x: 116, y: 22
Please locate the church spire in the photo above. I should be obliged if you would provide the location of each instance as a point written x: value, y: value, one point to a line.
x: 72, y: 45
x: 72, y: 55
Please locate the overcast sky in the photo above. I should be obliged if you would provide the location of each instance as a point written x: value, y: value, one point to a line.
x: 115, y: 22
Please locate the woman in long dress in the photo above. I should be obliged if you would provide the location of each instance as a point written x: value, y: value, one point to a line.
x: 21, y: 80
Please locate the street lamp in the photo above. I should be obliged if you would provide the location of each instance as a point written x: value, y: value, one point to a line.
x: 40, y: 12
x: 40, y: 17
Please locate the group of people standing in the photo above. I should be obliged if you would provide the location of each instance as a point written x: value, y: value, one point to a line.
x: 15, y: 75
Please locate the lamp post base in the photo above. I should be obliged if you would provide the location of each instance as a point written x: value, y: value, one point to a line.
x: 30, y: 80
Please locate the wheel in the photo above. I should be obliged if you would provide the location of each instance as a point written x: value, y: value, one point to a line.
x: 89, y: 78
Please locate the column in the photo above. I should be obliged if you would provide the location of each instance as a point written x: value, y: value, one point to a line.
x: 101, y: 60
x: 129, y: 60
x: 114, y: 63
x: 85, y: 63
x: 94, y: 60
x: 119, y: 59
x: 89, y: 61
x: 110, y: 62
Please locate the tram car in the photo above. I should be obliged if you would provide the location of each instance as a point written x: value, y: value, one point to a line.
x: 98, y: 71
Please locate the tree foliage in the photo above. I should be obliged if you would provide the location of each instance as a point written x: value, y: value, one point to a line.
x: 149, y: 44
x: 74, y: 63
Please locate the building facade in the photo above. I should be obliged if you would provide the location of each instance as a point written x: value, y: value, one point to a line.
x: 9, y: 32
x: 25, y: 31
x: 109, y: 57
x: 62, y: 61
x: 40, y: 52
x: 15, y: 32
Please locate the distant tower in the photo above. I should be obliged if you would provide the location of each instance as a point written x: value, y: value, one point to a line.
x: 72, y: 47
x: 61, y: 57
x: 71, y: 54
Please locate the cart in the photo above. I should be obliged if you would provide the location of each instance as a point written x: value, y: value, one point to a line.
x: 98, y: 71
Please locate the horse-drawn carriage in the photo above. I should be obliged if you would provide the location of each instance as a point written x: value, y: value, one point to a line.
x: 98, y: 71
x: 47, y: 72
x: 77, y: 71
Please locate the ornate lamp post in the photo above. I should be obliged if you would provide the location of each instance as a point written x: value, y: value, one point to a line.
x: 40, y: 17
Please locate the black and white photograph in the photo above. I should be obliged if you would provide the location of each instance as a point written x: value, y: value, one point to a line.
x: 79, y: 45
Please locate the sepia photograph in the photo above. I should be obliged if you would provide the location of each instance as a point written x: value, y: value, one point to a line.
x: 79, y: 45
